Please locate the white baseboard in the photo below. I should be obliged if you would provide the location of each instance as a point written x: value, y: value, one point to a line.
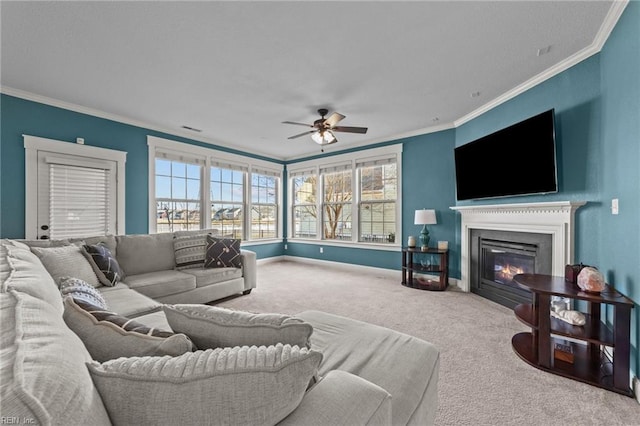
x: 636, y: 388
x: 270, y: 260
x: 390, y: 273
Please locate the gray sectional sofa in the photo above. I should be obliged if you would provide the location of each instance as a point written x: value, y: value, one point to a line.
x: 367, y: 374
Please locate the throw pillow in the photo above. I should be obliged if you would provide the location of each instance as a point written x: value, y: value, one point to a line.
x: 66, y: 261
x: 107, y: 335
x: 213, y: 327
x: 190, y: 251
x: 80, y: 290
x: 104, y: 264
x: 240, y: 385
x: 222, y: 253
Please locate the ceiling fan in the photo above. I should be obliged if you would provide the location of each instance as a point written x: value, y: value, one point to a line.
x: 323, y: 128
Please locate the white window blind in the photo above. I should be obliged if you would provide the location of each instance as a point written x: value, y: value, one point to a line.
x: 370, y: 162
x: 79, y: 201
x: 229, y: 165
x: 304, y: 172
x: 265, y: 172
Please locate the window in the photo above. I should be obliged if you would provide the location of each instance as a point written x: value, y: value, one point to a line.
x: 378, y: 193
x: 72, y: 190
x: 201, y: 188
x: 336, y: 205
x: 177, y: 195
x: 227, y: 201
x: 305, y: 212
x: 264, y: 207
x: 357, y: 202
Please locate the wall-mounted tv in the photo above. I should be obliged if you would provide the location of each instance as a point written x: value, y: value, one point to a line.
x: 517, y: 160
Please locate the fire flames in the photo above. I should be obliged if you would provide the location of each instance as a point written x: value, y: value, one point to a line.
x: 507, y: 272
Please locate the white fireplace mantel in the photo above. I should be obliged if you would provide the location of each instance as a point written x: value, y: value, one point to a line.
x: 555, y: 218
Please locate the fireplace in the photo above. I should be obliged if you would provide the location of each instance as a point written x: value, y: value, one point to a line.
x: 497, y: 256
x: 555, y: 219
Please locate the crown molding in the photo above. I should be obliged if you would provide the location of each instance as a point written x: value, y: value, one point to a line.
x: 125, y: 120
x: 600, y: 39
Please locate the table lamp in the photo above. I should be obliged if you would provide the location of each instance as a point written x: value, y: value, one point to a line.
x: 425, y: 217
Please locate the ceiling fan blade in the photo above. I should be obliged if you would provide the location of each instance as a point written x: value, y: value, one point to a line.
x: 348, y: 129
x: 299, y: 124
x: 301, y: 134
x: 333, y: 119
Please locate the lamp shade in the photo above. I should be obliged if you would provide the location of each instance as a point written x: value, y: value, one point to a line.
x: 425, y: 217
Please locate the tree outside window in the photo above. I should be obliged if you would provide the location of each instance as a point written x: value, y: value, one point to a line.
x: 337, y: 197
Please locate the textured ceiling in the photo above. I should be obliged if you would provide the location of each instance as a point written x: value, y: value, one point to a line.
x: 236, y: 70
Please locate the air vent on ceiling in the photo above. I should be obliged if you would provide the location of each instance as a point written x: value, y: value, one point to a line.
x: 193, y: 129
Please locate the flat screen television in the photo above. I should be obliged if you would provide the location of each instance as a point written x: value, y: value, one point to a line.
x: 517, y: 160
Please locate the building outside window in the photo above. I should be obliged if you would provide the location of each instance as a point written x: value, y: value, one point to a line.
x: 227, y: 201
x: 305, y: 210
x: 177, y: 195
x: 378, y: 193
x: 264, y: 207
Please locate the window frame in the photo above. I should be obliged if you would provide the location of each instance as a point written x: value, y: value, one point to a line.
x: 353, y: 159
x: 214, y: 158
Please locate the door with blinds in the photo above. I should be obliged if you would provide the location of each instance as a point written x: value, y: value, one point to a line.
x: 76, y: 196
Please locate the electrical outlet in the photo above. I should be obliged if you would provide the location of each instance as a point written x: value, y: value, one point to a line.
x: 614, y: 206
x: 321, y: 249
x: 80, y: 141
x: 285, y: 246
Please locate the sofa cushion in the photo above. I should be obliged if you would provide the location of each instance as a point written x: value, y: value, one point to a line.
x: 104, y: 263
x: 190, y: 251
x: 23, y: 272
x: 128, y: 302
x: 222, y: 253
x: 240, y: 385
x: 213, y: 327
x: 209, y: 276
x: 363, y: 349
x: 157, y: 320
x: 67, y: 261
x: 43, y: 372
x: 80, y: 290
x: 107, y: 335
x: 139, y: 254
x: 161, y: 283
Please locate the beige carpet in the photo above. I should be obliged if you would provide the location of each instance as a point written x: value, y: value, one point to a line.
x: 482, y: 381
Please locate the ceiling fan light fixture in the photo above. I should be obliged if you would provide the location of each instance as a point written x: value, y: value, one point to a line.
x: 323, y: 137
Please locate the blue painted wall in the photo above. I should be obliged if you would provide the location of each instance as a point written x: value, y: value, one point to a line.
x: 20, y: 116
x: 619, y: 246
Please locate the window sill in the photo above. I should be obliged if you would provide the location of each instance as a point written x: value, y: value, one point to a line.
x: 249, y: 243
x: 358, y: 245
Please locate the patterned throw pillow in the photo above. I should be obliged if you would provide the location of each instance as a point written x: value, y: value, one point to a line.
x: 81, y: 290
x: 104, y: 264
x: 108, y: 335
x: 253, y: 385
x: 190, y: 251
x: 222, y: 253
